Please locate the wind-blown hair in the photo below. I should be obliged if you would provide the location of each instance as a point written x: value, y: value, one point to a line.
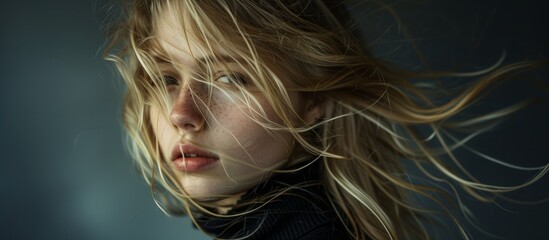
x: 374, y: 120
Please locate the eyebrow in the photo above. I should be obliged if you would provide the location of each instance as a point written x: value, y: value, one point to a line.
x: 159, y: 54
x: 160, y: 58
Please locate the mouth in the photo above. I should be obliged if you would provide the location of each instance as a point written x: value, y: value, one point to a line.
x: 190, y: 158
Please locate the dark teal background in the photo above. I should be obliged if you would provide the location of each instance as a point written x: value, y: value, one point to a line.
x: 65, y: 174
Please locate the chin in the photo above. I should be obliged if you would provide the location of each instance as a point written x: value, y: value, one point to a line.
x: 208, y: 190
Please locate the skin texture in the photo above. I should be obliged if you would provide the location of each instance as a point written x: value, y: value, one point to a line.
x: 220, y: 124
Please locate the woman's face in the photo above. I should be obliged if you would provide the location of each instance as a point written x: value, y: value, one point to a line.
x: 241, y: 150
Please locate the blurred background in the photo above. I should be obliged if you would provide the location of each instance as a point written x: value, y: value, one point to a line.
x: 65, y: 173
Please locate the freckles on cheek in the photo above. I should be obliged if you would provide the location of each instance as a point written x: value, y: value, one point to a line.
x: 231, y: 122
x: 236, y: 123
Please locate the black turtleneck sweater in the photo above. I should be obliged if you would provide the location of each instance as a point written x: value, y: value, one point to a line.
x: 302, y: 212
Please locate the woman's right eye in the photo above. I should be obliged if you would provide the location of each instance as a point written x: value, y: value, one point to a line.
x: 170, y: 81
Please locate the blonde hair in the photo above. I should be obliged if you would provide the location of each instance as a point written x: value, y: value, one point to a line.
x: 374, y: 115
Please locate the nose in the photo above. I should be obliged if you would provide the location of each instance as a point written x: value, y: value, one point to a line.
x: 186, y: 114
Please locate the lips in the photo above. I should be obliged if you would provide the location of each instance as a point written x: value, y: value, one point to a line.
x: 190, y: 158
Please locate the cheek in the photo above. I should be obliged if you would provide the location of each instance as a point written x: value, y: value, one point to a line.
x: 163, y: 130
x: 244, y: 138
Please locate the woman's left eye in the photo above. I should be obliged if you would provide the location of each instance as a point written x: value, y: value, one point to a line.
x: 234, y: 78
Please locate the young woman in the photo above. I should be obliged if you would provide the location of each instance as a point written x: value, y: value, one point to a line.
x: 270, y: 120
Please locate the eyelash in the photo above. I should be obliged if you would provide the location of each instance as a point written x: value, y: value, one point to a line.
x: 169, y: 80
x: 233, y: 78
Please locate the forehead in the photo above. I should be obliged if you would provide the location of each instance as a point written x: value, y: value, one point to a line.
x: 175, y: 38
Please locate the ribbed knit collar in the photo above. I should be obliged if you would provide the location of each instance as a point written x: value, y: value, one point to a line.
x: 301, y: 207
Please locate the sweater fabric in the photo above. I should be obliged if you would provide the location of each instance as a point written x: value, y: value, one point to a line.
x: 302, y: 211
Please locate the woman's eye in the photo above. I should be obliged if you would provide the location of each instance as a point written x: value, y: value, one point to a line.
x: 234, y: 78
x: 169, y: 80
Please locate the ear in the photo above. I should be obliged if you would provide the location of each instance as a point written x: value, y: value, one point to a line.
x: 314, y: 110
